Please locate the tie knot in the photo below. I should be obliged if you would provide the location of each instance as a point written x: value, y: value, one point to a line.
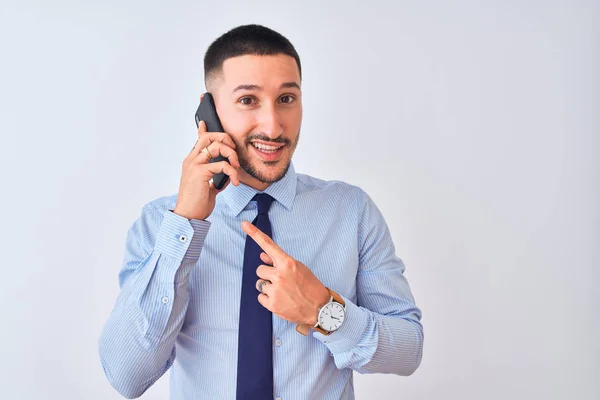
x: 264, y: 202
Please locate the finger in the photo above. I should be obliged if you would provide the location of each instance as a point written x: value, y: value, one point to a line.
x: 199, y: 155
x: 217, y: 149
x: 266, y: 272
x: 201, y: 127
x: 262, y: 285
x: 198, y: 145
x: 263, y: 299
x: 206, y: 138
x: 222, y: 166
x: 266, y: 258
x: 264, y: 241
x: 267, y: 289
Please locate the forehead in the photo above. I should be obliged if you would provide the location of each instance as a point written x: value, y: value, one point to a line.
x: 260, y: 70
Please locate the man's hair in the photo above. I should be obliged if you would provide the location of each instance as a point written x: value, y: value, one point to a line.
x: 246, y: 40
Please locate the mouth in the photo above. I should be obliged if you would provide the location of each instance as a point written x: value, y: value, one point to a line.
x: 268, y: 152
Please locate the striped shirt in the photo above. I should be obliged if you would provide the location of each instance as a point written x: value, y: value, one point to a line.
x: 180, y: 284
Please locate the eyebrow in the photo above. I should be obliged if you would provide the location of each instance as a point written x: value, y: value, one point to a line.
x: 258, y: 88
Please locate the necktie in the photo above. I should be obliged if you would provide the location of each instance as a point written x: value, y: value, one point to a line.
x: 255, y: 341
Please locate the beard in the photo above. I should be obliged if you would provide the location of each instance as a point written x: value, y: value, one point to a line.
x: 254, y: 166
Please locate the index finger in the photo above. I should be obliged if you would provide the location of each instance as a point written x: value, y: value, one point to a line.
x: 263, y: 240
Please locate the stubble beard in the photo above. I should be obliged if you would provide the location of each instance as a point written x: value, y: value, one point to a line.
x: 252, y: 165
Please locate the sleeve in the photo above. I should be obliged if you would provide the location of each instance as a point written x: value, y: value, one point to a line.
x: 137, y: 344
x: 382, y: 332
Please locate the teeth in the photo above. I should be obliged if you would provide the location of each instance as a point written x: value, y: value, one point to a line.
x: 265, y: 147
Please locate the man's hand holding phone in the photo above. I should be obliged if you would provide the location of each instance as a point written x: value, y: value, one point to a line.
x: 197, y: 193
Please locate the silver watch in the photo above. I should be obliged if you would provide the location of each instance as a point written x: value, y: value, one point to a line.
x: 331, y: 315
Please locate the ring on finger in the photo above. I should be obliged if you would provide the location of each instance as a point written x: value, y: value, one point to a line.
x: 260, y: 284
x: 206, y: 153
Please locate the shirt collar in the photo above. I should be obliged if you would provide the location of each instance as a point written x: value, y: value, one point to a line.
x: 284, y: 191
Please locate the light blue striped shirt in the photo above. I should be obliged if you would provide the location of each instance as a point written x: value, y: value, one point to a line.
x: 180, y: 285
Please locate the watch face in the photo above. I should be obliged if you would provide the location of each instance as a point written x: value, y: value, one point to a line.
x: 331, y: 316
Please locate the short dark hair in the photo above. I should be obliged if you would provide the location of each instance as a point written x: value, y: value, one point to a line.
x: 246, y: 40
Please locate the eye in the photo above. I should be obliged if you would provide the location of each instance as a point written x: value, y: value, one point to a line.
x: 287, y: 99
x: 247, y: 101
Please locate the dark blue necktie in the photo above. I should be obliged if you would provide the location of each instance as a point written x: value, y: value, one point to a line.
x: 255, y: 341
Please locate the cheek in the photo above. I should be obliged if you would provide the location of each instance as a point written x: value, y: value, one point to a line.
x: 236, y: 123
x: 294, y: 118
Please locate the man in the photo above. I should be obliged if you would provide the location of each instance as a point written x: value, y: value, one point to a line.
x: 283, y: 308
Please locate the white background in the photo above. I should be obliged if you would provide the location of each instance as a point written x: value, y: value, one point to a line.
x: 474, y: 125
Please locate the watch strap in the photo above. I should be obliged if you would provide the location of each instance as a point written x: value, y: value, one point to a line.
x: 337, y: 298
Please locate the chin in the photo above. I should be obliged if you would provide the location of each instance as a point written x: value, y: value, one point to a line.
x: 268, y: 171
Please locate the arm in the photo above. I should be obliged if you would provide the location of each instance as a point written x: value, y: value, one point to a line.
x: 137, y: 344
x: 382, y: 332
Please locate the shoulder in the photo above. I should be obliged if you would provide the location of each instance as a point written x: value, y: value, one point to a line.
x: 336, y: 190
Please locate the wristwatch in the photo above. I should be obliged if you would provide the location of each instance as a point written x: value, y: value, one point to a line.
x: 331, y: 316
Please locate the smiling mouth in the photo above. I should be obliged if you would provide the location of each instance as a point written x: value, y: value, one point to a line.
x: 268, y: 152
x: 267, y: 147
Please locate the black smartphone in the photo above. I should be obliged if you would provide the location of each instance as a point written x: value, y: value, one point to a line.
x: 207, y: 112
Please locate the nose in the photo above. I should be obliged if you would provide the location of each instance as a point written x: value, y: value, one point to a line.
x: 269, y: 123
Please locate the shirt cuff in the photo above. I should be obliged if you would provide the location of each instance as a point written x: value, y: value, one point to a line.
x: 350, y: 333
x: 181, y: 238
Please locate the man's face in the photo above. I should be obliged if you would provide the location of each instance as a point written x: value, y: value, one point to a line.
x: 259, y: 102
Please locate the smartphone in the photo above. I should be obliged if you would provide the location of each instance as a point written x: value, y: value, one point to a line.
x: 207, y: 112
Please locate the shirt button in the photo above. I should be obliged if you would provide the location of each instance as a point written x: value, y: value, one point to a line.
x: 182, y: 238
x: 278, y: 342
x: 165, y: 300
